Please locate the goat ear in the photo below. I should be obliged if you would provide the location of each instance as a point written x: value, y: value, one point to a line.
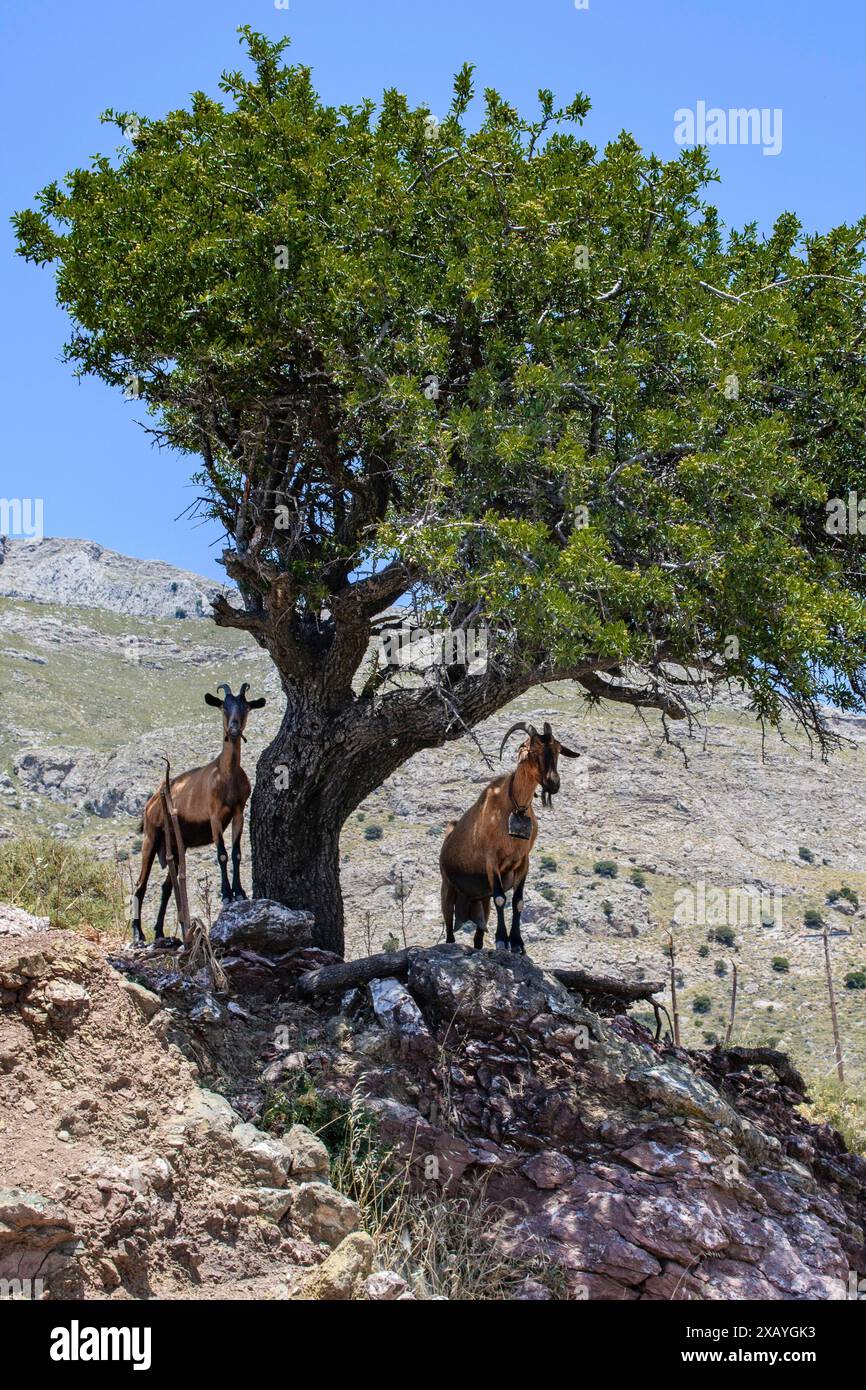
x: 256, y: 704
x: 567, y: 752
x: 213, y: 700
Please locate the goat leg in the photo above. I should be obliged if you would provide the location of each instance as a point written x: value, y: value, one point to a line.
x: 237, y: 830
x: 515, y: 940
x: 499, y: 902
x: 222, y: 860
x: 163, y: 907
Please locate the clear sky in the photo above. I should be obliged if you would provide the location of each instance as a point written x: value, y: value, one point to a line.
x: 76, y: 445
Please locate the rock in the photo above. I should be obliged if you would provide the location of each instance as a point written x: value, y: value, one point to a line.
x: 145, y: 1000
x: 550, y: 1169
x: 530, y: 1291
x: 14, y: 921
x: 308, y: 1154
x: 384, y: 1286
x: 340, y: 1276
x: 323, y: 1213
x: 484, y: 991
x: 262, y: 925
x: 37, y: 1237
x: 396, y: 1010
x: 61, y: 1002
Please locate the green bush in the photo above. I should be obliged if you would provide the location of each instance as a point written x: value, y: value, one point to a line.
x: 781, y: 964
x: 607, y: 907
x: 606, y: 868
x: 855, y: 979
x: 373, y: 832
x: 721, y: 968
x: 703, y: 952
x: 701, y: 1004
x: 849, y: 893
x: 806, y: 854
x: 723, y: 935
x: 547, y: 862
x: 812, y: 917
x: 638, y: 878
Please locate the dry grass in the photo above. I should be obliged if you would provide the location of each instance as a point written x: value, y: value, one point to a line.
x: 444, y: 1246
x: 844, y: 1109
x: 63, y: 882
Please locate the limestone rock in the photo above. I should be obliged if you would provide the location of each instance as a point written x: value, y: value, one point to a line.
x: 323, y: 1213
x: 341, y: 1275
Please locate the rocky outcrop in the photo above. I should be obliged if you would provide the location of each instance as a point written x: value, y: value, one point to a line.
x: 627, y: 1169
x: 86, y: 575
x: 124, y: 1175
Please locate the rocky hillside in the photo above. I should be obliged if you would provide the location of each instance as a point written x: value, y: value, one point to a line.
x: 87, y: 575
x: 500, y: 1135
x: 737, y: 840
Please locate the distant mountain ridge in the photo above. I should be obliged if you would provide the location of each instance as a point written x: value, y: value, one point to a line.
x: 85, y: 574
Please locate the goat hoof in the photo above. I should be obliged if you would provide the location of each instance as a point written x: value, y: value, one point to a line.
x: 226, y: 898
x: 518, y: 948
x: 239, y: 896
x: 502, y: 946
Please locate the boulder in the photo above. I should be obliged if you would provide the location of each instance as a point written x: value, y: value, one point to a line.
x: 340, y: 1276
x: 324, y: 1214
x: 309, y: 1157
x: 258, y: 924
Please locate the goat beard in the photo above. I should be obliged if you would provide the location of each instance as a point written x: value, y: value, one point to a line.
x: 546, y: 798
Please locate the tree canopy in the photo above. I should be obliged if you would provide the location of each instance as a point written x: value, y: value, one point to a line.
x: 537, y: 386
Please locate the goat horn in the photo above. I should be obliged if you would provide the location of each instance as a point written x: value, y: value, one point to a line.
x: 226, y: 688
x: 527, y: 729
x: 243, y: 690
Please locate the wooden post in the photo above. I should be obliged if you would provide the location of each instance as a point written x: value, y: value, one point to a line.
x: 837, y: 1042
x: 730, y: 1027
x: 674, y: 1010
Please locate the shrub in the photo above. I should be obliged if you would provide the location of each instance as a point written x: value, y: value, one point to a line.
x: 548, y: 893
x: 547, y: 862
x: 62, y: 882
x: 703, y: 951
x: 723, y: 935
x: 607, y: 907
x: 855, y: 979
x: 373, y: 832
x: 806, y: 854
x: 781, y: 964
x: 702, y: 1003
x: 850, y: 895
x: 812, y: 917
x: 638, y: 878
x: 606, y: 868
x: 721, y: 968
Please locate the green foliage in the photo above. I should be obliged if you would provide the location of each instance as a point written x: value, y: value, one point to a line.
x: 812, y: 917
x: 638, y: 878
x: 720, y: 968
x: 781, y: 964
x: 607, y: 908
x: 373, y: 832
x: 268, y: 267
x: 606, y: 868
x: 703, y: 952
x: 65, y: 883
x: 855, y: 979
x: 806, y: 854
x: 702, y: 1004
x: 723, y: 935
x: 547, y: 863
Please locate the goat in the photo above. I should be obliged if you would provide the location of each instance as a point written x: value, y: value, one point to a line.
x: 486, y: 852
x: 206, y: 799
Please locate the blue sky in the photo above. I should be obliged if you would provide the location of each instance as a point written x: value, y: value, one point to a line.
x: 76, y: 444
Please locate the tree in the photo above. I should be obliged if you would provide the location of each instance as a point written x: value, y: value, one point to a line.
x: 481, y: 368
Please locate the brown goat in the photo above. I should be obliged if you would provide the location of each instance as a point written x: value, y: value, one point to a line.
x: 206, y: 799
x: 486, y: 852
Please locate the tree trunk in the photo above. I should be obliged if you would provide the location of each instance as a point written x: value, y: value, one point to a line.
x: 318, y: 769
